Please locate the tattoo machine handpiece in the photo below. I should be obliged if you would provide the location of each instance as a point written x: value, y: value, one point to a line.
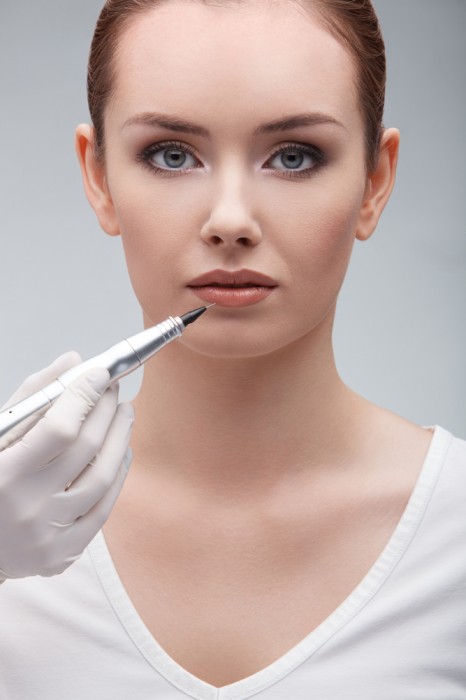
x: 119, y: 360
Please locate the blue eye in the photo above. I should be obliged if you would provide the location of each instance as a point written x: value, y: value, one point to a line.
x: 172, y: 158
x: 168, y: 158
x: 296, y: 158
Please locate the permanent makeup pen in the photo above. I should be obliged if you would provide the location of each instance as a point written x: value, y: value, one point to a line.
x: 119, y: 360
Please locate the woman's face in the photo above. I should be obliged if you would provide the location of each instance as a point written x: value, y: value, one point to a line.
x: 239, y: 190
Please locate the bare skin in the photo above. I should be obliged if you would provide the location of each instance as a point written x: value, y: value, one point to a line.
x: 262, y: 488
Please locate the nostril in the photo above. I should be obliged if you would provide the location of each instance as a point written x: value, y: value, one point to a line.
x: 227, y: 236
x: 242, y: 240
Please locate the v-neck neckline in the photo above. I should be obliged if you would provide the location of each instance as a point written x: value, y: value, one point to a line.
x: 372, y: 582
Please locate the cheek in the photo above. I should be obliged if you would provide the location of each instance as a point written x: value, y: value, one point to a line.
x: 322, y: 231
x: 328, y: 245
x: 153, y: 234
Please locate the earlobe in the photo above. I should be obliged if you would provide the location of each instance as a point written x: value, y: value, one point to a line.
x: 380, y: 185
x: 94, y: 180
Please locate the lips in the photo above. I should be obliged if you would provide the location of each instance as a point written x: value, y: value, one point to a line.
x: 239, y: 288
x: 239, y: 278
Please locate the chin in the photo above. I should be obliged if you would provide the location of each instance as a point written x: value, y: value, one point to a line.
x: 240, y: 344
x: 224, y: 348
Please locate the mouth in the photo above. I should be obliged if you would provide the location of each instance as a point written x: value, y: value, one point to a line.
x: 239, y: 288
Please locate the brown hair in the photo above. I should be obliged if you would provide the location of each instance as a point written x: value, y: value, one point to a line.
x: 353, y: 22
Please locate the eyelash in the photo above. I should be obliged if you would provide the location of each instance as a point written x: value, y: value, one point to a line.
x: 144, y: 158
x: 308, y: 150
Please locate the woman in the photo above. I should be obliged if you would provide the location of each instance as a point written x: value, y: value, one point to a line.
x: 278, y: 535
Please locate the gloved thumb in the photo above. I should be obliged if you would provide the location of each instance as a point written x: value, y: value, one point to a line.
x: 60, y: 426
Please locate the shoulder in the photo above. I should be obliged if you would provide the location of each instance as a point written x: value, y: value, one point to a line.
x: 458, y: 449
x: 448, y: 447
x: 444, y: 476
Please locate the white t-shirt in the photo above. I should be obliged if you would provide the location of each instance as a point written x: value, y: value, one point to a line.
x: 400, y: 635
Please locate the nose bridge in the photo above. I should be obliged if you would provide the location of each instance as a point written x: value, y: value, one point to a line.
x: 231, y: 217
x: 232, y: 186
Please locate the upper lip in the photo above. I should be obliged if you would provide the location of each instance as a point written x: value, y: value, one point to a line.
x: 239, y: 278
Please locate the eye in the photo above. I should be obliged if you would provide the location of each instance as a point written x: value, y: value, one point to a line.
x: 296, y: 159
x: 168, y: 157
x: 173, y: 158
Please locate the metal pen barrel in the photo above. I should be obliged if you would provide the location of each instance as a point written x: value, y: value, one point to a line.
x: 119, y: 360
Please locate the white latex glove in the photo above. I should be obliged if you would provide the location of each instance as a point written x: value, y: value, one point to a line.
x: 60, y: 478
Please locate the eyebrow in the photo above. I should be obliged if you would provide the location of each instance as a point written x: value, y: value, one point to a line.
x: 167, y: 121
x: 297, y: 120
x: 173, y: 123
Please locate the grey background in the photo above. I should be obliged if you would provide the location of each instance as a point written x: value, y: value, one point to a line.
x: 400, y: 328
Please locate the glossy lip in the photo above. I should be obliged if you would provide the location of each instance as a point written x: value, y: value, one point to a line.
x: 238, y: 288
x: 239, y: 278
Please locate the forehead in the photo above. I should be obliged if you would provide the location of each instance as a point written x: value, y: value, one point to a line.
x: 245, y: 61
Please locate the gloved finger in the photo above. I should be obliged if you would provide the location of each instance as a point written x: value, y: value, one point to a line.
x: 16, y: 433
x: 60, y: 426
x: 77, y: 536
x: 67, y: 466
x: 30, y: 385
x: 93, y: 484
x: 45, y: 376
x: 71, y: 540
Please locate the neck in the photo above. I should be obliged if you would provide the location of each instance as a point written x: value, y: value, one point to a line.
x: 239, y: 425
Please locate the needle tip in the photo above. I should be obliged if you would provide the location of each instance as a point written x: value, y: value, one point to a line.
x: 192, y: 316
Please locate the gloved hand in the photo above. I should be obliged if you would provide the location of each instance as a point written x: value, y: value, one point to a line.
x: 60, y: 474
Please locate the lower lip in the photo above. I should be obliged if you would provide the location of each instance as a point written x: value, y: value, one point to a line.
x: 232, y: 296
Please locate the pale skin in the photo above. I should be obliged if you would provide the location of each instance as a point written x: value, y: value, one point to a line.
x: 262, y: 488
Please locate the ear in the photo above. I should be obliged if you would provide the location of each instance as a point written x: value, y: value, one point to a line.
x: 94, y: 180
x: 379, y: 185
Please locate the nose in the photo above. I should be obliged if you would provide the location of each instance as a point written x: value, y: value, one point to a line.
x: 231, y: 222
